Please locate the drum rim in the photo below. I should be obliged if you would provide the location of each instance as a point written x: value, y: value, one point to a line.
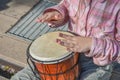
x: 52, y: 61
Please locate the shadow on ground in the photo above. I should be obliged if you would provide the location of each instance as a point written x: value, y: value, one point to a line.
x: 3, y: 4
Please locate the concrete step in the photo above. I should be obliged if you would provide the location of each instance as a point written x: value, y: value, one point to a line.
x: 3, y: 78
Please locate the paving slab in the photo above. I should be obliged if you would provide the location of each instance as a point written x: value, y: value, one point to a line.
x: 13, y: 49
x: 3, y: 78
x: 17, y: 8
x: 6, y: 23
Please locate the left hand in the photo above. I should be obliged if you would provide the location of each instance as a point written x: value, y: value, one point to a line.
x: 75, y: 43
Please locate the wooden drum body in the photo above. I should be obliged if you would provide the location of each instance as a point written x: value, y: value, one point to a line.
x: 51, y: 60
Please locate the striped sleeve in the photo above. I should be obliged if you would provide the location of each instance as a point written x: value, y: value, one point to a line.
x: 62, y: 8
x: 118, y: 35
x: 106, y: 50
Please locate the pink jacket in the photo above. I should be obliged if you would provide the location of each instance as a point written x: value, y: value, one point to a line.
x: 99, y: 19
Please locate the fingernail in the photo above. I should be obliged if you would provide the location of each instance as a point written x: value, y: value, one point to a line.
x: 49, y: 24
x: 62, y: 43
x: 56, y: 16
x: 58, y: 40
x: 60, y: 34
x: 68, y: 49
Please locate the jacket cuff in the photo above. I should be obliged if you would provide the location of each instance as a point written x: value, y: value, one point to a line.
x: 91, y: 53
x: 56, y: 8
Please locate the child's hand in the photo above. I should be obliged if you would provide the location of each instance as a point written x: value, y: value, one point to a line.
x: 75, y: 43
x: 52, y: 18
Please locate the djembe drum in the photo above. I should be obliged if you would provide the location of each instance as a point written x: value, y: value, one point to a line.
x: 51, y: 60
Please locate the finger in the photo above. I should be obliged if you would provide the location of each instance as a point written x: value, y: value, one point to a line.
x: 68, y: 49
x: 57, y: 17
x: 69, y: 37
x: 58, y: 41
x: 72, y: 49
x: 51, y: 25
x: 50, y: 18
x: 42, y: 18
x: 65, y: 43
x: 57, y: 21
x: 53, y: 19
x: 47, y: 19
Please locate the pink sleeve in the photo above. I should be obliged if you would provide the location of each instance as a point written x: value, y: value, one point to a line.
x: 118, y: 36
x: 106, y: 50
x: 62, y: 8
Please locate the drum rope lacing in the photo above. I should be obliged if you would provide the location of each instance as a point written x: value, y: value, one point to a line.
x: 53, y: 74
x: 36, y: 72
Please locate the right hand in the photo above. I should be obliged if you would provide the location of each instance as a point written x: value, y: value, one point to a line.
x: 53, y: 18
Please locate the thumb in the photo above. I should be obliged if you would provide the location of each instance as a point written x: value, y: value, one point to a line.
x: 57, y: 17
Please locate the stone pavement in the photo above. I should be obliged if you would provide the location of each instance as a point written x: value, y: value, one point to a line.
x: 13, y: 49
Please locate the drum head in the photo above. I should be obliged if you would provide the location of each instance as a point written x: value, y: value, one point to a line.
x: 46, y: 49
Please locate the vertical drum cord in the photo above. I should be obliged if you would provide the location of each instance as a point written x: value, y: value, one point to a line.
x: 32, y: 68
